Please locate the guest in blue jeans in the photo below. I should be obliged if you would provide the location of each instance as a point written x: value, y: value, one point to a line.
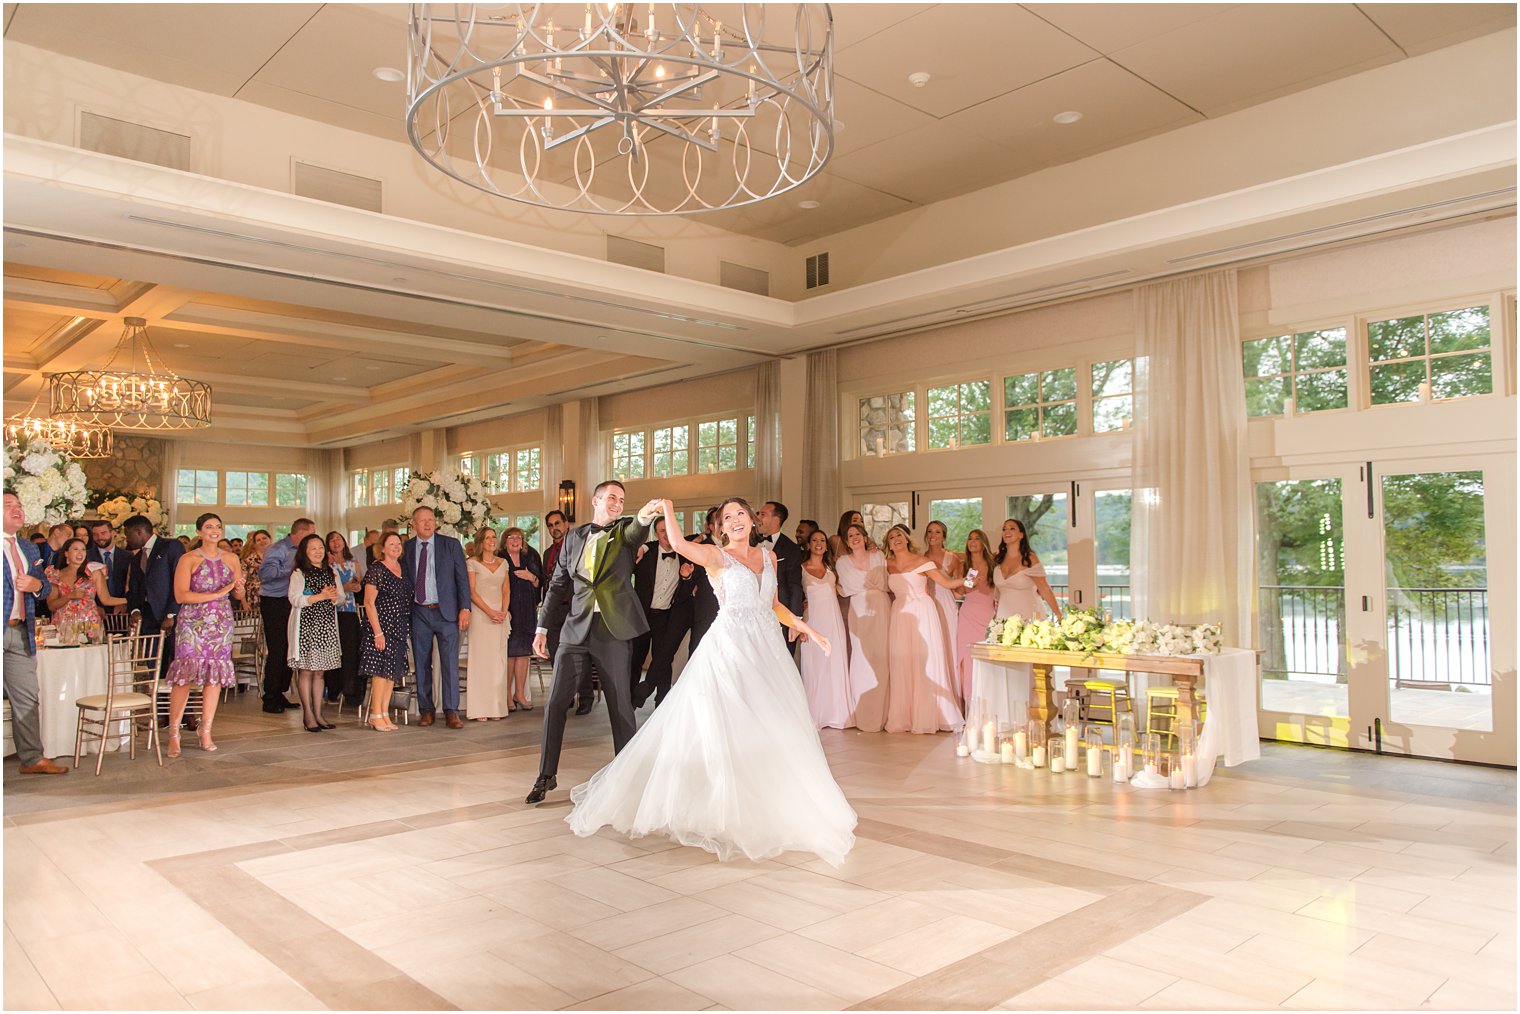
x: 440, y: 610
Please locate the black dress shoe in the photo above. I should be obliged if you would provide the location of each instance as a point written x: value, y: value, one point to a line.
x: 275, y: 709
x: 288, y: 704
x: 585, y: 707
x: 541, y: 788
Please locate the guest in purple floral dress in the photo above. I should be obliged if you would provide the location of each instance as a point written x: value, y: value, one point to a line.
x: 203, y: 631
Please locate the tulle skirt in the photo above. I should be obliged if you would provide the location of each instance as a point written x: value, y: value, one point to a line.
x: 730, y: 762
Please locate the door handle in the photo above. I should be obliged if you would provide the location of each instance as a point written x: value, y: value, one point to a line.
x: 1366, y: 603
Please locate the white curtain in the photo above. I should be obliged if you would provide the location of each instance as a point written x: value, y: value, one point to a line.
x: 554, y: 450
x: 820, y: 465
x: 594, y: 466
x: 325, y: 490
x: 1191, y: 542
x: 768, y: 431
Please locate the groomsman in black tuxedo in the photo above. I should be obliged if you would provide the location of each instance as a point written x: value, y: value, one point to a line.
x: 664, y: 583
x: 704, y: 601
x: 770, y: 519
x: 146, y: 571
x: 557, y: 527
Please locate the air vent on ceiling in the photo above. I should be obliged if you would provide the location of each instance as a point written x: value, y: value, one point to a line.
x: 334, y: 187
x: 635, y: 254
x: 737, y: 276
x: 817, y: 270
x: 126, y: 139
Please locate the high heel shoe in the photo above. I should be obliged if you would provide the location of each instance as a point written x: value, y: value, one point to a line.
x: 173, y: 750
x: 324, y: 725
x: 204, y: 735
x: 312, y: 728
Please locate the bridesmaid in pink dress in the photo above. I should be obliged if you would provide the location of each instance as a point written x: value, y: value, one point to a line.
x: 825, y: 675
x: 977, y: 608
x: 935, y: 534
x: 921, y: 693
x: 862, y: 575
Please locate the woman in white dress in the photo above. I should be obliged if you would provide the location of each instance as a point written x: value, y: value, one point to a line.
x: 921, y: 696
x: 730, y: 762
x: 490, y: 695
x: 862, y: 574
x: 825, y: 675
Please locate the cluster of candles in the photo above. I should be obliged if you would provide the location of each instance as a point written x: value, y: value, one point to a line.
x: 1065, y: 748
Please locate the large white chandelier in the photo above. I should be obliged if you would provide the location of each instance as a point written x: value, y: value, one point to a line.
x: 625, y: 109
x: 138, y: 394
x: 74, y: 439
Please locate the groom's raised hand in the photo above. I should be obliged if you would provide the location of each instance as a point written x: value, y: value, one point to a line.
x: 651, y: 510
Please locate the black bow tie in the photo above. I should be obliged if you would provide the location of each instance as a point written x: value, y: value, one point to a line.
x: 768, y: 538
x: 666, y: 556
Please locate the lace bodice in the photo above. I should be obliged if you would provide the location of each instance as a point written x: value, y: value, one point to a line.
x: 743, y: 589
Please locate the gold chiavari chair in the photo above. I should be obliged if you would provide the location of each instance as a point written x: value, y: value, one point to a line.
x: 132, y: 685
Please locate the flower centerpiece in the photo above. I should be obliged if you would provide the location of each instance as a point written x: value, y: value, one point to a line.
x: 458, y: 499
x: 116, y: 507
x: 1084, y: 630
x: 50, y: 485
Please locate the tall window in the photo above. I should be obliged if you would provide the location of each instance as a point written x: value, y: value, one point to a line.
x: 1451, y: 352
x: 887, y: 424
x: 1042, y: 404
x: 498, y: 477
x: 749, y: 442
x: 628, y: 455
x: 529, y: 524
x: 197, y: 485
x: 358, y: 489
x: 718, y: 445
x: 400, y: 476
x: 669, y: 456
x: 247, y: 488
x: 960, y: 414
x: 367, y: 487
x: 380, y: 487
x: 1309, y: 367
x: 289, y: 489
x: 469, y: 465
x: 529, y: 473
x: 1113, y: 387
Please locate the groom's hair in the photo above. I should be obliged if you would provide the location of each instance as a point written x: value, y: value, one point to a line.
x: 604, y: 484
x: 779, y: 508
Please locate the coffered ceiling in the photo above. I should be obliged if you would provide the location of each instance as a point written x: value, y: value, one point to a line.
x: 998, y: 74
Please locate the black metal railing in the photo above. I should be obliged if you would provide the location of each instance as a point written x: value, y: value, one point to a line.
x: 1303, y: 631
x: 1438, y: 635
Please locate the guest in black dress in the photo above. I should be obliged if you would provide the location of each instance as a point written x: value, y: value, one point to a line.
x: 386, y: 629
x: 704, y: 602
x: 525, y: 577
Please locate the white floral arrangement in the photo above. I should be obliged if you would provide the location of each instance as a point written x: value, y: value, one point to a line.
x: 458, y: 499
x: 118, y: 508
x: 1085, y: 631
x: 50, y: 485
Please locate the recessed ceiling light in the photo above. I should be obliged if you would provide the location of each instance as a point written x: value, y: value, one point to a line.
x: 182, y: 345
x: 1070, y: 116
x: 340, y: 378
x: 918, y: 78
x: 809, y: 205
x: 399, y: 278
x: 390, y: 75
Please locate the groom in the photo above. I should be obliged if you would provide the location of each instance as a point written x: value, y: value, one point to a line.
x: 591, y: 594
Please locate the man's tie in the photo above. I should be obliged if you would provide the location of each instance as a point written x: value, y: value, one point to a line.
x: 667, y: 556
x: 768, y: 538
x: 421, y: 585
x: 105, y: 558
x: 18, y: 567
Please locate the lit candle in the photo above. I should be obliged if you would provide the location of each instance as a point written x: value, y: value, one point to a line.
x: 1069, y: 753
x: 1057, y: 764
x: 1094, y: 762
x: 1020, y: 744
x: 1121, y: 766
x: 588, y: 20
x: 1190, y: 770
x: 880, y: 446
x: 1176, y: 777
x: 718, y: 41
x: 1005, y: 751
x: 989, y: 736
x: 1425, y: 391
x: 961, y: 750
x: 971, y: 733
x: 1039, y: 756
x: 1150, y: 768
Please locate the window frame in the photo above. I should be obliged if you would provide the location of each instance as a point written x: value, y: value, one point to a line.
x: 1498, y: 355
x: 1291, y: 333
x: 716, y: 422
x: 960, y: 416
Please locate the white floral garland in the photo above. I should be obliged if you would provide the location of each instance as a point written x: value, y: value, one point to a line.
x: 50, y: 485
x: 458, y: 499
x: 1085, y: 631
x: 117, y: 509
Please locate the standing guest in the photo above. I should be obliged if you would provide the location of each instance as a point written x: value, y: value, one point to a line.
x: 203, y: 636
x: 39, y: 539
x: 805, y: 529
x: 704, y: 601
x: 825, y: 675
x: 345, y: 680
x: 250, y: 557
x: 922, y: 696
x: 770, y: 519
x: 237, y: 547
x: 440, y: 610
x: 371, y: 540
x: 184, y: 541
x: 839, y: 541
x: 556, y: 525
x: 387, y: 628
x: 977, y: 607
x: 274, y: 605
x: 525, y: 576
x: 56, y: 537
x: 148, y: 580
x: 313, y: 636
x: 490, y: 696
x: 25, y: 585
x: 663, y: 582
x: 80, y: 530
x: 862, y: 577
x: 78, y: 590
x: 102, y: 550
x: 935, y: 551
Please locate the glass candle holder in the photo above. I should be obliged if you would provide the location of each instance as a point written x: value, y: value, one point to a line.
x: 1094, y: 753
x: 1037, y: 743
x: 1151, y: 754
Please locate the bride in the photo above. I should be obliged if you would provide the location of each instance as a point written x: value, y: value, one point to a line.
x: 730, y: 762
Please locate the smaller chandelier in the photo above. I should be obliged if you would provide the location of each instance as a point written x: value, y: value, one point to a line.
x: 145, y: 397
x: 73, y: 439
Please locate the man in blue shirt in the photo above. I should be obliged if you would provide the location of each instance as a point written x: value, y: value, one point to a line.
x: 274, y: 585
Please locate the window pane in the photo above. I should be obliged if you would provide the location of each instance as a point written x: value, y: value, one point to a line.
x: 942, y: 431
x: 1266, y: 396
x: 237, y: 488
x: 728, y: 431
x: 1397, y: 382
x: 728, y: 458
x: 400, y: 478
x: 1020, y: 423
x: 1021, y: 390
x: 944, y: 400
x: 678, y: 463
x: 707, y: 434
x: 1314, y: 350
x: 1461, y: 376
x: 1058, y: 385
x: 977, y: 429
x: 186, y: 485
x: 749, y: 443
x: 661, y: 440
x: 290, y: 489
x: 529, y: 469
x: 380, y: 486
x: 1265, y: 357
x: 707, y: 458
x: 976, y: 396
x: 1111, y: 414
x: 1459, y: 330
x: 1113, y: 377
x: 1316, y: 392
x: 529, y: 524
x: 1396, y: 339
x: 358, y: 489
x: 958, y: 516
x: 1060, y: 420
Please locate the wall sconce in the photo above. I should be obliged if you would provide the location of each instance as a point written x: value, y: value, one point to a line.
x: 566, y: 500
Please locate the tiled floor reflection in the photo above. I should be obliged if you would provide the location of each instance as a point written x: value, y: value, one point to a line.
x: 402, y: 872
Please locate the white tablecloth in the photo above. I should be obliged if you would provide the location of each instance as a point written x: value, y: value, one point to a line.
x: 63, y: 676
x: 1003, y: 688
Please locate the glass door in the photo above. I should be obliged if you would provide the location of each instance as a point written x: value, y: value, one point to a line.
x: 959, y: 514
x: 882, y: 510
x: 1046, y: 514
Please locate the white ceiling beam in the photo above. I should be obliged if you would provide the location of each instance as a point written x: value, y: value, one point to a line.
x: 59, y: 297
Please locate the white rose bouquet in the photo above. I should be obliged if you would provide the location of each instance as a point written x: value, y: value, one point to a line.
x: 460, y: 501
x: 116, y: 508
x: 1084, y: 630
x: 50, y: 485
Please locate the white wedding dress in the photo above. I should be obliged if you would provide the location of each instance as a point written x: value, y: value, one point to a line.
x: 731, y: 761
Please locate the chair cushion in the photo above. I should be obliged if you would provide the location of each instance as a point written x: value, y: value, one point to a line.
x: 122, y: 702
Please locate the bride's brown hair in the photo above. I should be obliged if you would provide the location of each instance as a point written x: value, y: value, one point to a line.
x: 754, y: 528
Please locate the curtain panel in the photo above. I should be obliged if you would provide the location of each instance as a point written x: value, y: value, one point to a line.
x: 820, y: 465
x: 768, y: 432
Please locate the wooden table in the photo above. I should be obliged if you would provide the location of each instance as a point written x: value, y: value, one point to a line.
x: 1185, y: 671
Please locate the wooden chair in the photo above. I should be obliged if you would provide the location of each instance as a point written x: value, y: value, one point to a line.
x: 123, y: 623
x: 1102, y: 701
x: 132, y: 685
x: 248, y: 648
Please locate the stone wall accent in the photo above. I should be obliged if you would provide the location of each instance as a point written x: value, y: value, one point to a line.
x: 135, y: 466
